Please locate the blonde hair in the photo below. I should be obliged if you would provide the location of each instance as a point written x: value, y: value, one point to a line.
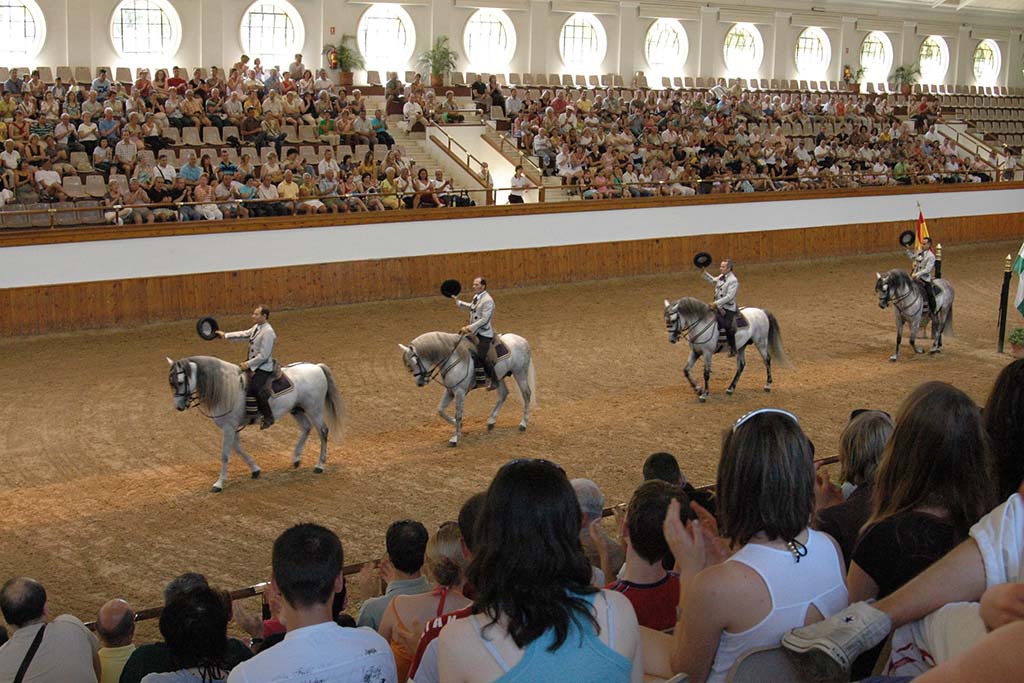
x: 861, y: 446
x: 444, y: 558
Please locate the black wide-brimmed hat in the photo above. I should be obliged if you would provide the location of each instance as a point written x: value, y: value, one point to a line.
x: 450, y: 288
x: 207, y: 328
x: 702, y: 259
x: 907, y: 237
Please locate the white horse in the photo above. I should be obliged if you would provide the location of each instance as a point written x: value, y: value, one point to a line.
x: 897, y: 287
x: 450, y: 356
x: 218, y: 388
x: 695, y: 320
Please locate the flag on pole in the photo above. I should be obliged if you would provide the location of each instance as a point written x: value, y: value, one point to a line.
x: 1018, y: 267
x: 922, y: 229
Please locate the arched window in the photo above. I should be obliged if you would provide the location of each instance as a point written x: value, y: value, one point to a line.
x: 876, y: 57
x: 987, y: 60
x: 145, y: 28
x: 934, y: 59
x: 272, y: 30
x: 744, y: 50
x: 666, y: 46
x: 386, y: 37
x: 22, y: 29
x: 813, y: 52
x: 582, y: 42
x: 490, y: 40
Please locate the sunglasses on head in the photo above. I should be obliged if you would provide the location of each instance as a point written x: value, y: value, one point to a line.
x: 764, y: 411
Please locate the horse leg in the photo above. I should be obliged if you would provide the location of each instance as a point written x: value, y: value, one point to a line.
x: 914, y: 326
x: 703, y: 396
x: 305, y: 426
x: 316, y: 419
x: 938, y: 325
x: 502, y: 395
x: 686, y: 371
x: 460, y: 400
x: 523, y: 380
x: 899, y: 340
x: 741, y: 362
x: 254, y: 469
x: 445, y: 400
x: 225, y: 453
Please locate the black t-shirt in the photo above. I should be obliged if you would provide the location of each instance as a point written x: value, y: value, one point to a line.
x: 478, y: 87
x: 157, y: 195
x: 895, y: 550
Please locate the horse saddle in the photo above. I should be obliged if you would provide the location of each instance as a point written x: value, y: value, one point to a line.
x: 278, y: 384
x: 499, y: 350
x: 739, y: 320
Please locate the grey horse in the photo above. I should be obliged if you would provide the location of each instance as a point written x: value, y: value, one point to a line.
x: 447, y: 358
x: 897, y: 287
x: 695, y: 320
x: 218, y: 388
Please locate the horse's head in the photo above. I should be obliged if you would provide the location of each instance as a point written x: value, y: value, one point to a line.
x: 883, y: 288
x: 182, y: 378
x: 673, y: 323
x: 414, y: 365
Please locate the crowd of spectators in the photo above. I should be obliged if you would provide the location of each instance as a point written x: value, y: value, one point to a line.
x: 602, y: 142
x: 528, y: 585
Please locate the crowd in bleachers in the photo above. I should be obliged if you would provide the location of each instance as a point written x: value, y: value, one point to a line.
x: 528, y: 585
x: 255, y: 141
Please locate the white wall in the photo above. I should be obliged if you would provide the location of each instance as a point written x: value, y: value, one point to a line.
x: 78, y: 32
x: 134, y: 258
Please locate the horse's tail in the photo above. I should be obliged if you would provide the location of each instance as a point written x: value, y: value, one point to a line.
x: 775, y: 340
x: 334, y: 404
x: 531, y: 381
x: 947, y: 329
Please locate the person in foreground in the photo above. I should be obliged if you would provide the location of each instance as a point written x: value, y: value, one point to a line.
x: 537, y: 617
x: 783, y: 574
x: 307, y: 561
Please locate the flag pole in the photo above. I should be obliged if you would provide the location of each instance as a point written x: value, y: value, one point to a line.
x: 1004, y: 298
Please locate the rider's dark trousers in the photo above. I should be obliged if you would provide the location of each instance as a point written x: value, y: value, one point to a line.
x: 725, y: 321
x: 259, y: 380
x: 483, y: 345
x: 929, y: 294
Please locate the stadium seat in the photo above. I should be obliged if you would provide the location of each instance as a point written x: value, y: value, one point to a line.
x: 769, y: 664
x: 410, y: 76
x: 174, y: 135
x: 11, y: 218
x: 83, y: 74
x: 121, y: 180
x: 291, y: 133
x: 515, y: 79
x: 94, y: 216
x: 123, y: 75
x: 190, y: 136
x: 373, y: 77
x: 458, y: 78
x: 501, y: 79
x: 65, y: 73
x: 539, y: 79
x: 73, y: 187
x: 65, y: 214
x: 95, y: 186
x: 307, y: 134
x: 40, y: 219
x: 309, y: 155
x: 232, y: 132
x: 80, y: 160
x: 45, y: 74
x: 211, y: 136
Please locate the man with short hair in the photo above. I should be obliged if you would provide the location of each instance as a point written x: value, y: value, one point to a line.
x: 115, y: 626
x: 56, y: 651
x: 260, y: 358
x: 49, y: 183
x: 724, y: 304
x: 591, y: 502
x: 664, y: 466
x: 306, y: 575
x: 406, y: 543
x: 296, y: 68
x: 101, y: 85
x: 924, y: 262
x: 13, y: 83
x: 481, y: 311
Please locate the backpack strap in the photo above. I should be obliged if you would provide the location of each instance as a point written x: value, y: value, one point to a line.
x: 23, y: 669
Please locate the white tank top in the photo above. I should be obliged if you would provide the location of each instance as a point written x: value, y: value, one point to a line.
x: 817, y: 579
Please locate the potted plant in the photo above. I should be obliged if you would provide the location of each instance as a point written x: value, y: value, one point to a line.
x: 1017, y: 342
x: 906, y: 76
x: 344, y: 57
x: 439, y: 61
x: 851, y: 77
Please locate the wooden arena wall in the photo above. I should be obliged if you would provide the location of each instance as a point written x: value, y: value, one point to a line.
x: 128, y: 301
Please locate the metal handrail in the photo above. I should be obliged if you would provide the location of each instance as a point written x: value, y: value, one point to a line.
x: 469, y: 157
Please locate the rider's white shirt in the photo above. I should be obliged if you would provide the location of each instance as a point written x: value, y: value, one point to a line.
x: 261, y: 345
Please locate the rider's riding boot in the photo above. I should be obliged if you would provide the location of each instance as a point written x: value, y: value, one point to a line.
x: 731, y: 338
x: 492, y: 380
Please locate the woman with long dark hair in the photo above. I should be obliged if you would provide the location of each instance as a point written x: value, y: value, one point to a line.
x: 1005, y: 428
x: 536, y: 615
x: 195, y: 627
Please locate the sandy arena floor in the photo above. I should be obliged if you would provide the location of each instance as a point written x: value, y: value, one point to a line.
x: 104, y: 486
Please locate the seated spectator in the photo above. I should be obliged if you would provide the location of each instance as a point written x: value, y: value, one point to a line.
x: 665, y: 467
x: 64, y: 649
x: 591, y: 502
x: 446, y: 569
x: 406, y: 543
x: 194, y: 625
x: 860, y: 450
x: 1005, y: 429
x: 115, y: 626
x: 537, y: 615
x: 307, y: 562
x: 653, y: 591
x: 157, y: 657
x: 49, y: 183
x: 783, y: 574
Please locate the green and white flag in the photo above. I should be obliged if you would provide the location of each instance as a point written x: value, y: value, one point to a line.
x: 1018, y: 267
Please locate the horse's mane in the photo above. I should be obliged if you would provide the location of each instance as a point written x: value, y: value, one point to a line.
x: 217, y: 383
x: 690, y: 307
x: 433, y: 346
x: 899, y: 279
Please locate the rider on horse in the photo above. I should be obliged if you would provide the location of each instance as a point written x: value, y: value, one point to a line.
x: 924, y: 263
x: 724, y: 305
x: 260, y: 359
x: 481, y: 310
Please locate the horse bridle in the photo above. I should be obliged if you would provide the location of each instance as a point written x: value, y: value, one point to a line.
x: 675, y: 325
x: 426, y: 376
x: 911, y: 291
x: 178, y: 379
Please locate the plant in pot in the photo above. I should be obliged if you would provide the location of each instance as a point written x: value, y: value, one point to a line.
x: 439, y: 60
x: 1017, y: 342
x: 344, y: 57
x: 906, y: 76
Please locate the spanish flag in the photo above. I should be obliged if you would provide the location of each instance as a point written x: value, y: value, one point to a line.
x: 922, y: 229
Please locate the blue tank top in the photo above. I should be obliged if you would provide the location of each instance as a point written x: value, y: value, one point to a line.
x: 582, y: 657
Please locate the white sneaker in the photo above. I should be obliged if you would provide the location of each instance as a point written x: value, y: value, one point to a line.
x: 830, y: 646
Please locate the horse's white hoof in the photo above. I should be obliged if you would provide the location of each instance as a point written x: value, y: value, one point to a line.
x: 894, y: 358
x: 522, y: 428
x: 256, y: 474
x: 729, y: 391
x: 318, y: 470
x: 453, y: 442
x: 702, y: 399
x: 767, y: 388
x: 917, y: 350
x: 934, y: 350
x: 490, y: 426
x: 216, y: 488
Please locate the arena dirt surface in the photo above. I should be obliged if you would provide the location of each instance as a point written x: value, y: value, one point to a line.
x: 104, y: 487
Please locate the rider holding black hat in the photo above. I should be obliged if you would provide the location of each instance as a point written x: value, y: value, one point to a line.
x: 724, y: 305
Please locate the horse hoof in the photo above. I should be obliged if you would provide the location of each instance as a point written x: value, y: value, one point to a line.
x: 728, y: 392
x: 295, y: 464
x: 702, y: 399
x: 256, y: 474
x: 453, y: 443
x: 768, y: 389
x: 318, y: 470
x: 894, y: 358
x: 490, y: 426
x: 216, y: 489
x: 934, y: 350
x: 917, y: 350
x: 522, y: 428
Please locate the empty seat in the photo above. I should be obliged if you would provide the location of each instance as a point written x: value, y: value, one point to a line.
x: 123, y: 75
x: 501, y: 79
x: 309, y: 155
x: 45, y: 74
x: 80, y: 160
x: 688, y: 81
x: 458, y: 78
x: 373, y: 77
x: 95, y: 186
x: 410, y: 76
x: 173, y: 134
x: 83, y: 74
x: 515, y: 79
x: 93, y: 216
x: 232, y: 132
x: 539, y: 79
x: 73, y: 187
x: 65, y: 74
x: 13, y: 217
x: 308, y: 134
x: 677, y: 81
x: 66, y: 214
x: 41, y: 217
x: 211, y: 136
x: 190, y: 136
x: 566, y: 80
